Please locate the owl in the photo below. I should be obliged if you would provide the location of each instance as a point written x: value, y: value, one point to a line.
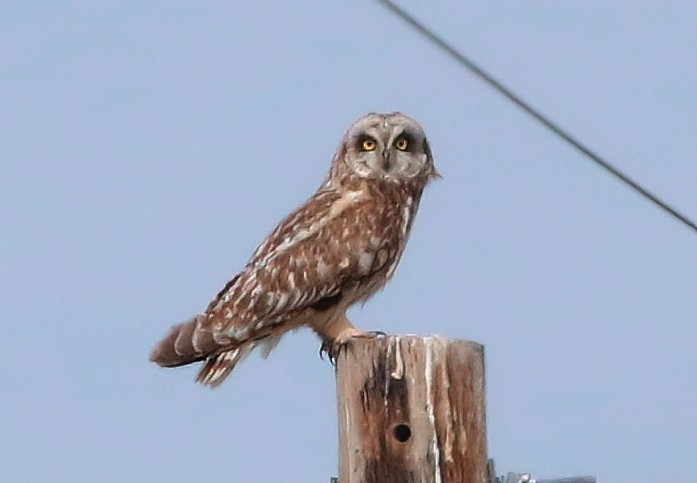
x: 338, y: 248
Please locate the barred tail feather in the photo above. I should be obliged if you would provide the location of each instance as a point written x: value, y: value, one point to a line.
x: 185, y: 343
x: 219, y: 366
x: 193, y: 342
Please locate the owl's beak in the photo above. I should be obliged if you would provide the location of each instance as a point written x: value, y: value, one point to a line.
x: 386, y: 160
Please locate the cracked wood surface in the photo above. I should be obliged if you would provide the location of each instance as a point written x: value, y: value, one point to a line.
x: 411, y: 410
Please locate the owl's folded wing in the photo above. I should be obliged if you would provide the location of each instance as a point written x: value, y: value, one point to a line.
x: 330, y: 243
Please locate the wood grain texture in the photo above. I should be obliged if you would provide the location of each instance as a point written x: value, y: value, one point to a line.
x: 411, y: 410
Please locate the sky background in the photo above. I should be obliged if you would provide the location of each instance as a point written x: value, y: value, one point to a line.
x: 147, y: 147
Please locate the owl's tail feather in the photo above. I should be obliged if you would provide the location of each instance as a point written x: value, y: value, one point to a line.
x: 219, y: 366
x: 192, y: 342
x: 185, y: 343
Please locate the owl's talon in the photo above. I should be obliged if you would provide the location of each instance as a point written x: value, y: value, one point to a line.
x: 323, y: 349
x: 332, y: 348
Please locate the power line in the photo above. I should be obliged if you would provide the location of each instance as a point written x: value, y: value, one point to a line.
x: 486, y: 77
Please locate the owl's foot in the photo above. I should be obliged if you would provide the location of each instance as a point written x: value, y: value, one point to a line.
x: 332, y: 348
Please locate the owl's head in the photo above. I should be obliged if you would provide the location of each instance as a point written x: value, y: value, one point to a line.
x: 388, y: 147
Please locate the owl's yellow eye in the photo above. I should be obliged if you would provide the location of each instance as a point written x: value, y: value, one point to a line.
x: 402, y: 144
x: 368, y: 144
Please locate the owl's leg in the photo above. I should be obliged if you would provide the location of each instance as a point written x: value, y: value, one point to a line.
x: 337, y: 333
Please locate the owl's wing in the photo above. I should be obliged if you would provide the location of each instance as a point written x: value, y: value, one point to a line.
x: 333, y: 244
x: 329, y: 242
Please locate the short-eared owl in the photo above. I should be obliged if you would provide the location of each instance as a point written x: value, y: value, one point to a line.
x: 337, y: 249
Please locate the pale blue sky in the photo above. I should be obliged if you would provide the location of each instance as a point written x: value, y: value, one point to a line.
x: 147, y: 147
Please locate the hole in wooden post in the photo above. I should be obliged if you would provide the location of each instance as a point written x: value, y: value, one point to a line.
x: 402, y: 432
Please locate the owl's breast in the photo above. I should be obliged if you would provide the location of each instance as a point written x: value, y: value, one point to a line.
x: 379, y: 235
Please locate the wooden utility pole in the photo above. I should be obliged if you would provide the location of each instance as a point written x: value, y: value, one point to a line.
x: 411, y: 410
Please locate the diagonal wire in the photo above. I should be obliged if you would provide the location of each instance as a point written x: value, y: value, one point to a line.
x: 486, y: 77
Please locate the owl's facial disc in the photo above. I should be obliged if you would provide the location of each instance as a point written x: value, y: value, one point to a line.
x: 388, y: 147
x: 385, y: 147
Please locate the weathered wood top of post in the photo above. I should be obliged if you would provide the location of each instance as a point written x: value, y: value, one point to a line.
x: 411, y: 409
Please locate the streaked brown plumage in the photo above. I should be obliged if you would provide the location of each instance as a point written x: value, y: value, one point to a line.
x: 337, y: 249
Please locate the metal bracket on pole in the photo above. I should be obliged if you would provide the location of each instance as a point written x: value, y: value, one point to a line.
x: 527, y: 478
x: 512, y: 477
